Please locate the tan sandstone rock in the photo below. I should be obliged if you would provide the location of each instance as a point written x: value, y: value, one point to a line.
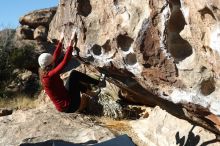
x: 167, y: 48
x: 38, y: 17
x: 163, y: 129
x: 44, y: 123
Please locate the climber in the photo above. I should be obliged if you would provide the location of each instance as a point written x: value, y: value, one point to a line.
x: 73, y: 96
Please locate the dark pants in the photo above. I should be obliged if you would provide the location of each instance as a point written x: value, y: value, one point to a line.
x: 76, y: 83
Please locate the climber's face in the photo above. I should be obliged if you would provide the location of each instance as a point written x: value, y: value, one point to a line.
x: 51, y: 66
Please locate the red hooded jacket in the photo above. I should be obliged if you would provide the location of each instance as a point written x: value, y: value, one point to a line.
x: 53, y: 84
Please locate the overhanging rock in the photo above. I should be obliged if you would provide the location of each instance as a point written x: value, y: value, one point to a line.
x: 165, y: 51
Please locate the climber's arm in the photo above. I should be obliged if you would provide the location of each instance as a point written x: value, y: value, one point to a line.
x: 57, y: 51
x: 66, y: 58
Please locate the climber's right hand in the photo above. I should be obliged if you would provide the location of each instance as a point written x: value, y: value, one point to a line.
x: 73, y: 39
x: 61, y: 36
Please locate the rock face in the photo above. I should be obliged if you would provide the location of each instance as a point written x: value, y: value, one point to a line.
x: 166, y: 48
x: 43, y: 123
x: 34, y: 29
x: 34, y: 26
x: 163, y: 129
x: 38, y: 17
x: 25, y: 82
x: 40, y: 33
x: 24, y: 32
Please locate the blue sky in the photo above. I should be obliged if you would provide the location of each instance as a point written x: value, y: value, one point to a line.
x: 11, y: 10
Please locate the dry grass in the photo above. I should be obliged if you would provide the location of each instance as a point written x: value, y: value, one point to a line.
x: 120, y: 127
x: 117, y: 126
x: 18, y: 102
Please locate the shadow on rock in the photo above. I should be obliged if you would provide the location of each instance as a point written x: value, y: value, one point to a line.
x: 192, y: 139
x: 58, y: 143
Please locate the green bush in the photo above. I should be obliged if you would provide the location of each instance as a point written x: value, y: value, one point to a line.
x: 7, y: 39
x: 12, y: 58
x: 6, y: 44
x: 23, y: 58
x: 4, y: 67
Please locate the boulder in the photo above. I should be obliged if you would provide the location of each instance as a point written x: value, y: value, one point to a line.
x: 38, y: 17
x: 25, y: 82
x: 165, y: 52
x: 24, y: 32
x: 43, y: 47
x: 163, y: 129
x: 40, y: 33
x: 44, y: 124
x: 158, y: 128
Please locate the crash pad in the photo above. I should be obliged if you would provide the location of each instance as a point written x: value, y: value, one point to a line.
x: 122, y: 140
